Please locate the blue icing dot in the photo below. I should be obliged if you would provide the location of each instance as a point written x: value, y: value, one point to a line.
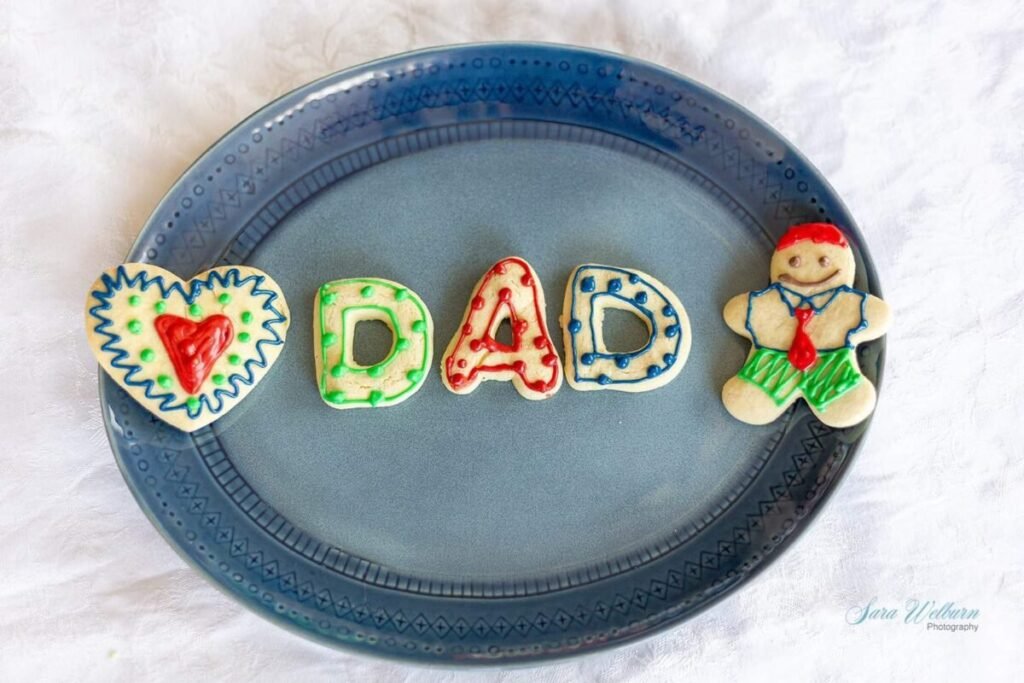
x: 575, y: 326
x: 604, y: 379
x: 640, y: 297
x: 634, y: 278
x: 614, y: 285
x: 671, y: 330
x: 653, y: 371
x: 622, y: 361
x: 587, y: 284
x: 587, y: 359
x: 668, y: 310
x: 669, y: 358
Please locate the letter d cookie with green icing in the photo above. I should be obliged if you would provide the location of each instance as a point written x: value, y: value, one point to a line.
x: 340, y: 306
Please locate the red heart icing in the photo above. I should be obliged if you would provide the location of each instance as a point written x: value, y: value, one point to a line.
x: 194, y: 347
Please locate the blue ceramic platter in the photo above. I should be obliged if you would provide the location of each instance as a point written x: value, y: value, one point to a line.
x: 487, y: 528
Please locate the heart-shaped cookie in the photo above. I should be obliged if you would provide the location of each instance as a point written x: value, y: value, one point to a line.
x: 187, y: 351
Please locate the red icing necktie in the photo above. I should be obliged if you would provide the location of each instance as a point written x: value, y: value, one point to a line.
x: 802, y: 353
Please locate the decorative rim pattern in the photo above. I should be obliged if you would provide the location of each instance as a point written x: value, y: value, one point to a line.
x: 335, y: 127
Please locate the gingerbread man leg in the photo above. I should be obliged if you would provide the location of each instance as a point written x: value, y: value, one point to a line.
x: 851, y: 408
x: 749, y: 403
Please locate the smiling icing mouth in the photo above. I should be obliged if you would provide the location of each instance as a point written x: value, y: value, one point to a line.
x: 790, y: 280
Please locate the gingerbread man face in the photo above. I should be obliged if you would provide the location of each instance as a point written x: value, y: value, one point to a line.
x: 810, y: 266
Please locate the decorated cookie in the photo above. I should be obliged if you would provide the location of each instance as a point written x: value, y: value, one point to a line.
x: 339, y: 307
x: 186, y: 351
x: 589, y: 366
x: 509, y: 290
x: 804, y: 328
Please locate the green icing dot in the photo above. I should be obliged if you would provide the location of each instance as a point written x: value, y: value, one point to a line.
x: 224, y: 298
x: 335, y: 396
x: 338, y: 370
x: 147, y: 355
x: 375, y: 371
x: 366, y: 291
x: 402, y: 344
x: 217, y: 379
x: 134, y: 326
x: 401, y: 294
x: 195, y: 310
x: 419, y: 326
x: 246, y: 317
x: 243, y: 336
x: 192, y: 402
x: 160, y: 307
x: 164, y: 381
x: 329, y: 339
x: 135, y: 300
x: 414, y: 375
x: 234, y: 359
x: 376, y: 397
x: 328, y: 299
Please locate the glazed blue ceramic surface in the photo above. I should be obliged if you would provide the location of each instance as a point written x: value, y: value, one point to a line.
x: 487, y: 528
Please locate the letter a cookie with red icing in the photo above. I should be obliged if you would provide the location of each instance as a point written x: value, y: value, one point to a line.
x: 510, y: 290
x: 805, y: 327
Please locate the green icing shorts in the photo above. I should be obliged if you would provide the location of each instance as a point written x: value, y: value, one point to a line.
x: 832, y: 375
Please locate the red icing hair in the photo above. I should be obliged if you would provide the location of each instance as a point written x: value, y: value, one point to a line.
x: 819, y: 233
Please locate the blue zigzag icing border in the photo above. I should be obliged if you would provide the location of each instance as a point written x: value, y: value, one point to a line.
x: 230, y: 278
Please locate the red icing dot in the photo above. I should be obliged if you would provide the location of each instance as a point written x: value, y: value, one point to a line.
x: 526, y: 280
x: 505, y: 294
x: 540, y: 342
x: 499, y: 268
x: 478, y: 302
x: 475, y: 345
x: 519, y: 366
x: 457, y: 379
x: 538, y: 386
x: 550, y: 360
x: 521, y: 326
x: 461, y: 362
x: 467, y: 329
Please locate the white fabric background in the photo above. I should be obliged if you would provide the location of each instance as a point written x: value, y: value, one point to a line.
x: 911, y: 109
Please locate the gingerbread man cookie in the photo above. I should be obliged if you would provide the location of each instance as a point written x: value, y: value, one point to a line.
x: 804, y: 328
x: 188, y: 352
x: 510, y: 289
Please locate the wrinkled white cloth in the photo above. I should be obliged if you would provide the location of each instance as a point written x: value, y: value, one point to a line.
x: 911, y: 109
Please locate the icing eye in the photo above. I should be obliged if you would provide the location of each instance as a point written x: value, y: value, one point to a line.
x: 824, y: 261
x: 795, y: 261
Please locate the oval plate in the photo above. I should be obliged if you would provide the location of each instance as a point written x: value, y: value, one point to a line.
x: 487, y: 528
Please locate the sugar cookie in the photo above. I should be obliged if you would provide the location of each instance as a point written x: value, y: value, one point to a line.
x: 188, y: 352
x: 339, y: 307
x: 589, y: 366
x: 511, y: 290
x: 804, y: 328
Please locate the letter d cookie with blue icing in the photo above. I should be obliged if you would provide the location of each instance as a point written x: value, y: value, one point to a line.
x: 589, y: 365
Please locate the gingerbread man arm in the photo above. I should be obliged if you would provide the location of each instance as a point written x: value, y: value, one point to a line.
x: 878, y: 317
x: 735, y: 314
